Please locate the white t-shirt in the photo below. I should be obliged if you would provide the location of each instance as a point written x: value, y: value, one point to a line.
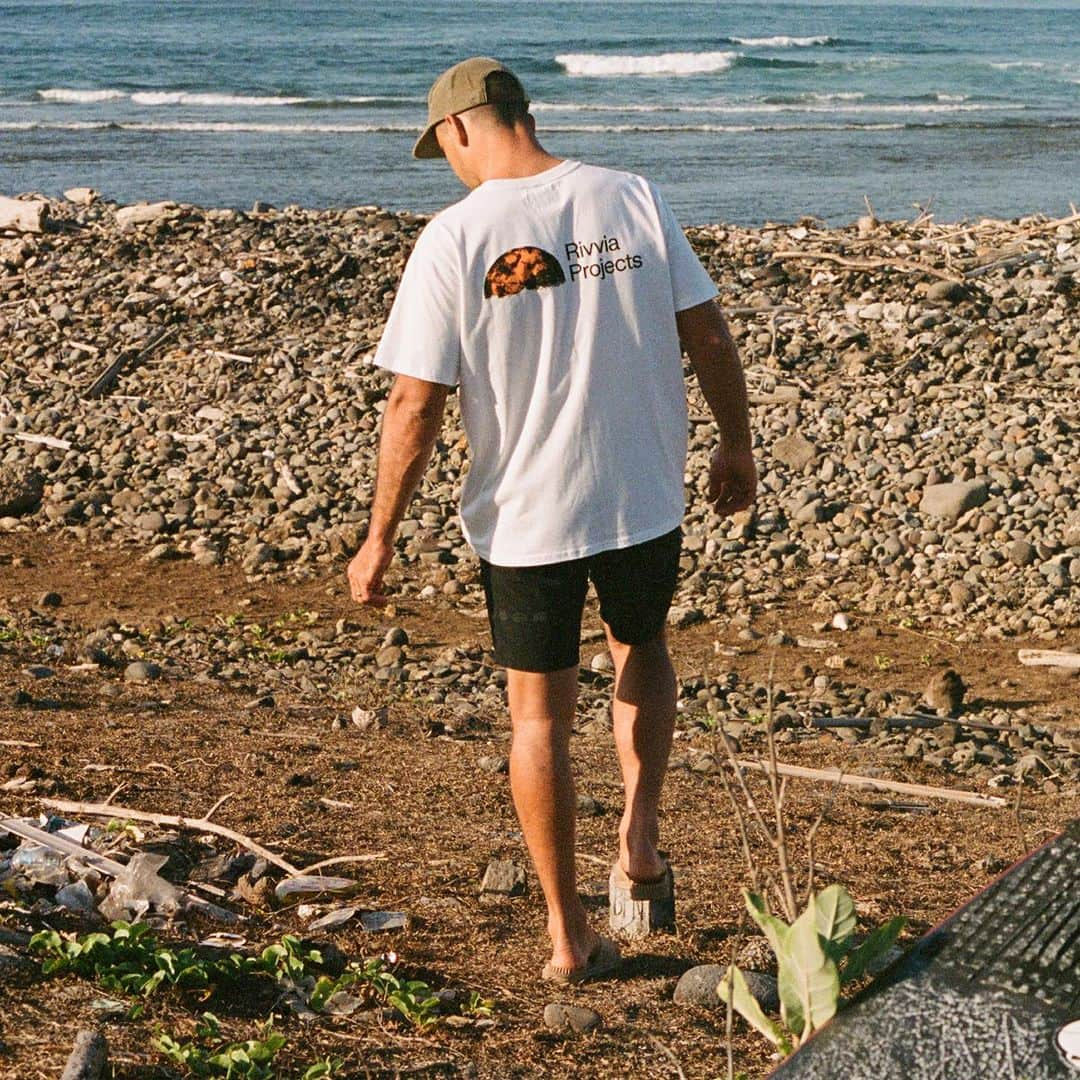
x: 551, y: 301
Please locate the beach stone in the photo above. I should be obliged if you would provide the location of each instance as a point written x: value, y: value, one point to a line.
x: 700, y: 986
x: 20, y: 491
x: 1021, y: 553
x: 794, y: 450
x: 950, y: 501
x: 142, y: 213
x: 944, y: 693
x: 81, y: 196
x: 140, y: 671
x: 503, y: 878
x: 563, y: 1018
x: 50, y: 600
x: 947, y: 292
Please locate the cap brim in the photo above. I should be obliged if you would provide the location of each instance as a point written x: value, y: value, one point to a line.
x: 427, y: 146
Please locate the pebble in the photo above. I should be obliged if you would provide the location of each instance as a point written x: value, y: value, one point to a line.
x: 503, y: 878
x: 563, y: 1018
x: 141, y: 671
x: 698, y: 986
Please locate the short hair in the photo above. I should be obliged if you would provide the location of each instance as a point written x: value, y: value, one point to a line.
x: 507, y: 97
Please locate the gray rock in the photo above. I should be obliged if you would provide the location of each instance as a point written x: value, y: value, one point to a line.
x: 20, y: 491
x: 142, y: 213
x: 944, y: 693
x: 947, y: 292
x: 699, y: 986
x: 503, y: 878
x: 950, y: 501
x: 1021, y: 553
x: 141, y: 671
x: 794, y: 450
x: 566, y: 1018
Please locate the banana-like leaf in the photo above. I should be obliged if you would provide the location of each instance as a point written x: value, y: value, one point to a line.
x: 834, y: 913
x: 774, y: 929
x: 809, y: 983
x: 876, y: 944
x: 745, y: 1004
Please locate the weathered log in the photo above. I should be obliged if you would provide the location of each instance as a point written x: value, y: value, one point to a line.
x: 23, y: 215
x: 870, y: 783
x: 1048, y: 658
x: 88, y: 1058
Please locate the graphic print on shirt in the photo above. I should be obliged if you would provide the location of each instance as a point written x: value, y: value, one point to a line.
x: 522, y: 268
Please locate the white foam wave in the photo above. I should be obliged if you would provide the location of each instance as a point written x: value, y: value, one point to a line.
x: 676, y: 63
x: 79, y: 97
x: 783, y: 41
x: 951, y: 98
x: 826, y: 103
x: 210, y: 127
x: 167, y: 97
x: 1009, y: 65
x: 158, y: 98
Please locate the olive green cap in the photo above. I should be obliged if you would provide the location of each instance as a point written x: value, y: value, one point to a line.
x: 456, y: 90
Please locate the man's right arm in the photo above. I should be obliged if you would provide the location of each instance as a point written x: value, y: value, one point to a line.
x: 704, y: 335
x: 410, y: 426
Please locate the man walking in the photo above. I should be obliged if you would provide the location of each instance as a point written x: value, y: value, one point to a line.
x: 555, y: 296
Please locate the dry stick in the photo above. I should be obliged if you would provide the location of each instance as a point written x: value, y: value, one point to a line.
x: 217, y: 806
x: 812, y: 834
x: 371, y: 857
x: 20, y: 745
x: 779, y: 790
x: 755, y: 878
x: 871, y: 264
x: 729, y: 1018
x: 802, y: 772
x: 194, y: 824
x: 669, y: 1055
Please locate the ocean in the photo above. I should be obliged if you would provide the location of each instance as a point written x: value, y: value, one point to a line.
x: 741, y: 112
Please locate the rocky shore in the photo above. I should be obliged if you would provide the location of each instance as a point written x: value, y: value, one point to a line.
x: 197, y: 381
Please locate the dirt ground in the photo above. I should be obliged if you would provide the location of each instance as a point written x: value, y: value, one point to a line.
x: 430, y: 818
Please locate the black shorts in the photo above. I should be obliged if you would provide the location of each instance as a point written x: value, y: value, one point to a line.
x: 535, y: 611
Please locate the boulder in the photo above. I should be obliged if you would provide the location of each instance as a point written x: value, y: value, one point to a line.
x: 950, y: 501
x: 20, y: 491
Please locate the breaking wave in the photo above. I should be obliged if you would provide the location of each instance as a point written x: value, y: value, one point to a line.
x: 674, y: 63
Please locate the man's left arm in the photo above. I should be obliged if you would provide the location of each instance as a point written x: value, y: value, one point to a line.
x: 411, y: 423
x: 704, y: 335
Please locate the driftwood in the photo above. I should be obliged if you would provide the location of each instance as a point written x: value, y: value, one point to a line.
x: 916, y: 720
x: 870, y: 783
x: 193, y: 824
x: 23, y: 215
x: 107, y: 379
x: 43, y: 440
x: 907, y: 265
x: 89, y: 1057
x: 1048, y: 658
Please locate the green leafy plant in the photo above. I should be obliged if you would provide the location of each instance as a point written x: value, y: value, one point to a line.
x: 375, y: 981
x: 127, y: 960
x: 882, y: 663
x: 815, y: 956
x: 253, y: 1058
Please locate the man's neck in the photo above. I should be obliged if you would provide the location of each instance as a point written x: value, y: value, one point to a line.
x: 516, y: 159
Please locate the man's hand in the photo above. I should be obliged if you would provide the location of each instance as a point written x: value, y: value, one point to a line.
x: 732, y: 481
x: 366, y: 572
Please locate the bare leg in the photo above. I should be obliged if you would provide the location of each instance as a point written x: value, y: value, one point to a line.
x: 643, y: 714
x: 542, y: 712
